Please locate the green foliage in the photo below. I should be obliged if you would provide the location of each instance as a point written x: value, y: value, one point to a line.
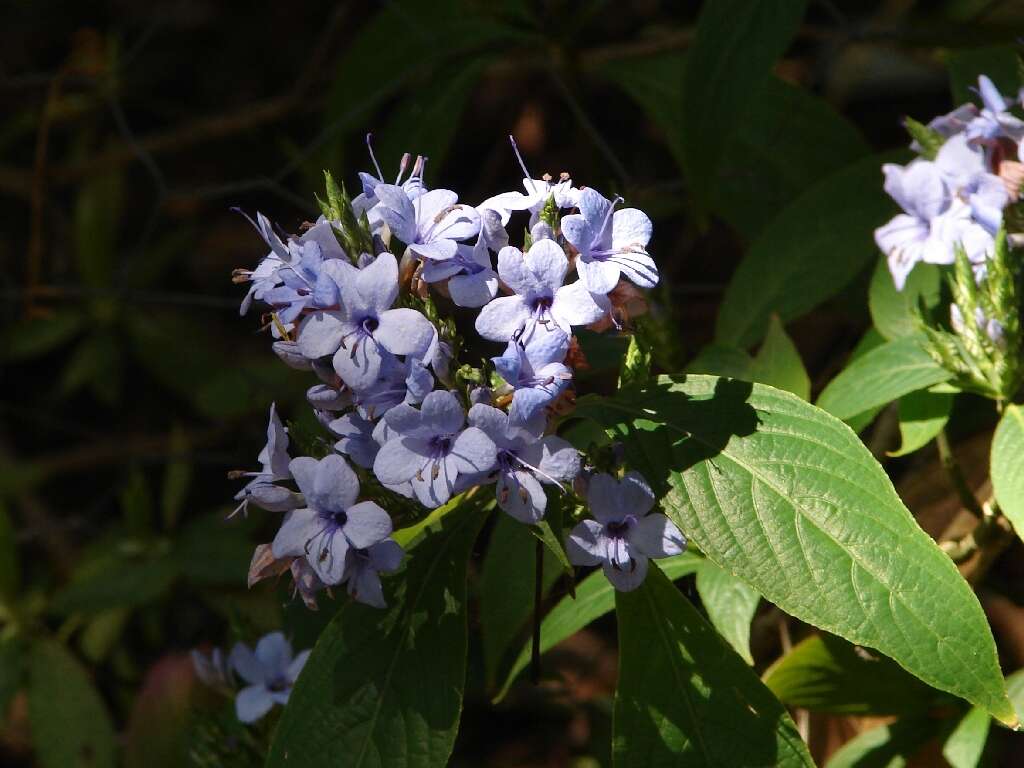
x: 787, y: 139
x: 1008, y: 466
x: 70, y: 725
x: 594, y: 598
x: 999, y: 62
x: 963, y: 747
x: 384, y: 688
x: 923, y: 414
x: 884, y: 374
x: 777, y: 362
x: 10, y: 567
x: 736, y: 44
x: 506, y: 591
x: 37, y: 337
x: 824, y: 673
x: 885, y: 746
x: 730, y: 603
x: 808, y: 253
x: 785, y: 497
x: 684, y: 696
x: 896, y: 313
x: 636, y: 363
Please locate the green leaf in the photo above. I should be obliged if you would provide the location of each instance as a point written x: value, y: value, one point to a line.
x: 70, y: 726
x: 893, y: 312
x: 177, y: 475
x: 737, y: 42
x: 787, y: 140
x: 778, y: 362
x: 13, y: 660
x: 787, y: 498
x: 636, y: 364
x: 884, y: 374
x: 506, y: 591
x: 136, y: 504
x: 824, y: 673
x: 383, y: 688
x: 97, y: 217
x: 10, y: 568
x: 730, y: 604
x: 684, y: 697
x: 1008, y: 466
x: 963, y: 747
x: 36, y: 337
x: 594, y: 598
x: 808, y: 253
x: 549, y: 531
x: 887, y: 746
x: 999, y: 62
x: 115, y: 580
x: 871, y: 339
x: 212, y: 551
x: 428, y: 117
x: 929, y: 139
x: 1015, y: 690
x: 923, y: 414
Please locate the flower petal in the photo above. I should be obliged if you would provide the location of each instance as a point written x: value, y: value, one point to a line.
x: 586, y: 543
x: 245, y: 663
x: 274, y: 653
x: 442, y: 412
x: 521, y: 496
x: 404, y: 331
x: 299, y: 527
x: 547, y: 261
x: 502, y: 317
x: 366, y: 525
x: 303, y: 469
x: 574, y: 305
x: 358, y: 364
x: 252, y: 703
x: 473, y: 451
x: 320, y: 334
x: 377, y: 283
x: 657, y: 536
x: 399, y: 459
x: 627, y: 577
x: 473, y: 290
x: 397, y: 211
x: 336, y: 486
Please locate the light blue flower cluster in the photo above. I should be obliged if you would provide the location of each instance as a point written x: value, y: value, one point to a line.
x: 387, y: 392
x: 956, y: 194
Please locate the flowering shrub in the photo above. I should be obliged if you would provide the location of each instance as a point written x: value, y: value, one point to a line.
x: 781, y: 498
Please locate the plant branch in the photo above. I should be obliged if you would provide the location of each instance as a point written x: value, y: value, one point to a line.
x: 956, y: 475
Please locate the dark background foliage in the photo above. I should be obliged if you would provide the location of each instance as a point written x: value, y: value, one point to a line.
x: 131, y: 386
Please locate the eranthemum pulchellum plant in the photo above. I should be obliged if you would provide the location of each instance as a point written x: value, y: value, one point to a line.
x: 779, y: 498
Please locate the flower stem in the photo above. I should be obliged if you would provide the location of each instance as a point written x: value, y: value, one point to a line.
x: 956, y: 475
x: 538, y: 596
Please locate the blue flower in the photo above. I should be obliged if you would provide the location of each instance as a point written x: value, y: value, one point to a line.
x: 540, y: 298
x: 271, y: 672
x: 365, y: 328
x: 610, y: 243
x: 525, y: 461
x: 432, y: 224
x: 536, y: 372
x: 472, y: 281
x: 332, y: 522
x: 994, y: 121
x: 363, y: 569
x: 355, y: 439
x: 430, y: 448
x: 622, y: 535
x: 265, y: 276
x: 261, y: 489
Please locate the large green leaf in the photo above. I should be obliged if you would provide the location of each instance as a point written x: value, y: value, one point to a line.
x: 737, y: 42
x: 594, y: 598
x: 685, y: 697
x: 383, y: 688
x: 884, y: 374
x: 893, y: 312
x: 730, y: 604
x: 70, y: 726
x: 507, y: 588
x: 923, y: 415
x: 1008, y: 466
x: 824, y: 673
x: 808, y: 253
x: 787, y: 498
x: 963, y: 747
x: 786, y: 141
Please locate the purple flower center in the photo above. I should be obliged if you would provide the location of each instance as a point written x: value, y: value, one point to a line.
x: 541, y: 305
x: 370, y: 324
x: 339, y: 518
x: 619, y: 529
x: 440, y: 446
x: 277, y: 684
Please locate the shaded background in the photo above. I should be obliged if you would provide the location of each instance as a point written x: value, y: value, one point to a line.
x: 131, y: 386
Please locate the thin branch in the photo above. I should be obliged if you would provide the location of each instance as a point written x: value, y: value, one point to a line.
x: 956, y: 475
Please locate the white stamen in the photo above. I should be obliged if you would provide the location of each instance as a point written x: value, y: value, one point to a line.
x: 369, y: 146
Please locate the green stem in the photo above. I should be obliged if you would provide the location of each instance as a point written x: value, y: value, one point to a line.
x: 956, y: 475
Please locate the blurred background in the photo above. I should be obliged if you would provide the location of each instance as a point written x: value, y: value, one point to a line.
x: 131, y: 386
